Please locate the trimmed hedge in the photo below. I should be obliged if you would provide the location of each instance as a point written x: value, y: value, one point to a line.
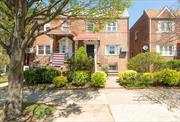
x: 80, y: 78
x: 40, y: 75
x: 98, y: 79
x: 127, y: 75
x: 165, y: 77
x: 60, y: 81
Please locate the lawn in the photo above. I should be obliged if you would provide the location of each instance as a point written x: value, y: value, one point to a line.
x: 3, y: 79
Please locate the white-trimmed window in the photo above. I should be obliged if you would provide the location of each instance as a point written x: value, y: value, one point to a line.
x: 43, y: 49
x: 111, y: 27
x: 166, y: 50
x: 47, y: 26
x: 112, y: 50
x: 166, y: 26
x: 89, y: 26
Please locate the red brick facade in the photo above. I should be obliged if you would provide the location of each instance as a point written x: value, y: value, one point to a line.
x: 146, y: 32
x: 77, y: 31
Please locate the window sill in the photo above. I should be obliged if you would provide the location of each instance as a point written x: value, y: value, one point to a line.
x: 111, y: 54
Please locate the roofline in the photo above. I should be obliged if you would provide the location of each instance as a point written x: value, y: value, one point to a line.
x: 162, y: 10
x: 138, y: 19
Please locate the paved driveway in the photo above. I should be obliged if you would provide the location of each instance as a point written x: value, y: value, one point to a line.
x: 109, y: 104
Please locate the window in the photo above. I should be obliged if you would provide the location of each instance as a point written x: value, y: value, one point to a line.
x: 113, y: 67
x: 111, y: 27
x: 89, y: 26
x: 166, y: 50
x: 46, y: 26
x: 166, y: 26
x: 44, y: 49
x: 112, y: 50
x: 65, y: 26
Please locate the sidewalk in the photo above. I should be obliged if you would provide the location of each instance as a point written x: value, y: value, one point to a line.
x: 3, y: 84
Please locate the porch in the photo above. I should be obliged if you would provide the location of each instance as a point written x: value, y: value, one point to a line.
x: 63, y: 47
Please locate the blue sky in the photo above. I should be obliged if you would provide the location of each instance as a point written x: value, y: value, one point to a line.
x: 136, y: 10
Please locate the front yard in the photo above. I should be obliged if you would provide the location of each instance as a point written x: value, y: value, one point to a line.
x: 112, y: 105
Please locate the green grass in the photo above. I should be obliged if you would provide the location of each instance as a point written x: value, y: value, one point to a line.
x: 3, y: 79
x: 134, y: 85
x: 39, y: 111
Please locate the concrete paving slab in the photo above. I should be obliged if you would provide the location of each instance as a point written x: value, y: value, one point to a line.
x: 143, y: 113
x: 86, y: 113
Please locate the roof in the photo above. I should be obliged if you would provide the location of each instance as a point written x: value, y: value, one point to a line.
x: 87, y: 36
x: 155, y: 13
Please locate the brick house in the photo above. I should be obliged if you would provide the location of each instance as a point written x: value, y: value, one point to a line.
x: 156, y: 31
x: 108, y: 46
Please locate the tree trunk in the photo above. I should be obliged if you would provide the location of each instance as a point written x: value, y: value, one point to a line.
x: 13, y: 104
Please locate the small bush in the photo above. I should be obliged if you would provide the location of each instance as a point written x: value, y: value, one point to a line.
x: 146, y: 62
x: 174, y: 64
x: 60, y: 81
x: 168, y: 77
x: 147, y: 78
x: 40, y: 75
x: 80, y: 78
x: 127, y: 75
x: 98, y: 79
x: 39, y: 111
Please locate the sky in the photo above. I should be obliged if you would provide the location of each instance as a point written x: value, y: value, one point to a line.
x: 138, y: 6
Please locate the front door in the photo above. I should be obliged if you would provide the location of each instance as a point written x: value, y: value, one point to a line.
x: 90, y: 50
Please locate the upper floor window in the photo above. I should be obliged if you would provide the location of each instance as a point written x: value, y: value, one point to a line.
x: 111, y: 27
x: 89, y: 26
x: 112, y: 50
x: 166, y: 26
x: 43, y: 49
x: 166, y: 50
x: 65, y: 26
x: 47, y: 26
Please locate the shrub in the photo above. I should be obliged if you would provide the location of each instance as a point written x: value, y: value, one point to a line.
x: 168, y: 77
x: 98, y: 79
x: 80, y: 78
x: 40, y: 75
x: 147, y: 78
x: 174, y: 64
x: 81, y: 61
x: 60, y: 81
x: 146, y: 62
x: 127, y: 75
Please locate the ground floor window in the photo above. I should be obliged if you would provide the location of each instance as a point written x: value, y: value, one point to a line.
x: 113, y: 67
x: 43, y: 49
x: 166, y: 50
x: 112, y: 50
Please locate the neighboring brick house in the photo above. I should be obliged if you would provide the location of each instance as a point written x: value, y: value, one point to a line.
x: 156, y: 31
x: 108, y: 46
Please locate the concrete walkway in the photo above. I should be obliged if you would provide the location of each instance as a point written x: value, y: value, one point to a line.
x: 112, y: 83
x: 109, y: 104
x: 3, y: 84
